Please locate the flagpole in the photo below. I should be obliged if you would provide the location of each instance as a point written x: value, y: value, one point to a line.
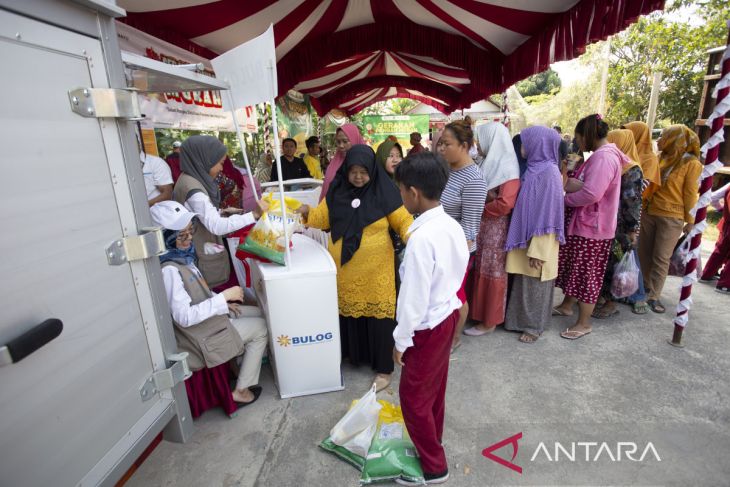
x: 242, y: 141
x: 277, y: 154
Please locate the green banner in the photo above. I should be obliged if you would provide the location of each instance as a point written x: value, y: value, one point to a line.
x: 377, y: 128
x: 294, y: 116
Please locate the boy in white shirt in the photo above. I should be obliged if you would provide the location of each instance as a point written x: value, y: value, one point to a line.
x: 428, y: 308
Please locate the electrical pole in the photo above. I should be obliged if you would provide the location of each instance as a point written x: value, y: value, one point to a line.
x: 604, y: 77
x: 654, y: 99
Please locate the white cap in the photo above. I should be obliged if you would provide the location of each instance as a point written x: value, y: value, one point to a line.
x: 176, y: 144
x: 171, y: 215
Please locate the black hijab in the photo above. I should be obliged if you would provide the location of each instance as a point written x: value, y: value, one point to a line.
x: 517, y: 144
x: 379, y: 198
x: 197, y: 155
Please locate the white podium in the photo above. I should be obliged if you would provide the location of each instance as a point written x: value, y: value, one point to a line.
x: 300, y: 305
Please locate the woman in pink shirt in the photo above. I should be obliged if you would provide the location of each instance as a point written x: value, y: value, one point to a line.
x: 594, y: 194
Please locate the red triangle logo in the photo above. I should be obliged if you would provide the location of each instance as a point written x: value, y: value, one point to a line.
x: 487, y: 452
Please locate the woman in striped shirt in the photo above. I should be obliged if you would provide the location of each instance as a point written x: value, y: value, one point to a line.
x: 463, y: 198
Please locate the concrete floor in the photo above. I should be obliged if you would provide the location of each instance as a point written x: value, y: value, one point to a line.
x: 622, y: 383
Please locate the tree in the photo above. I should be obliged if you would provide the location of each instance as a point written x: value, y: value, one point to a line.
x: 567, y: 106
x: 545, y: 83
x: 668, y: 42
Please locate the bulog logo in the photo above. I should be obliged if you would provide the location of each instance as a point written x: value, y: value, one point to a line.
x: 286, y: 341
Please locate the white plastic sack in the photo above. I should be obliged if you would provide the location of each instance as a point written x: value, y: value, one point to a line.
x: 625, y: 280
x: 356, y: 428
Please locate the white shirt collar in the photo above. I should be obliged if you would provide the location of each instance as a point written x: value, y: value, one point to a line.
x: 426, y: 217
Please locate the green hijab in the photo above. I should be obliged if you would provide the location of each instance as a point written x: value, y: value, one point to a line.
x: 384, y: 150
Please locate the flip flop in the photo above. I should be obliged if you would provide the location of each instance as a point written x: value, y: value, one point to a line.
x: 569, y: 334
x: 557, y: 312
x: 454, y: 347
x: 602, y: 315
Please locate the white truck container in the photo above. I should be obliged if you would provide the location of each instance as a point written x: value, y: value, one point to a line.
x: 88, y: 371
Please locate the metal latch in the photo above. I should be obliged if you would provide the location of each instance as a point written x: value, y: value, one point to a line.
x: 150, y: 243
x: 167, y: 378
x: 105, y: 102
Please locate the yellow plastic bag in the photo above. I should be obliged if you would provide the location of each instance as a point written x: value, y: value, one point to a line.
x: 267, y: 239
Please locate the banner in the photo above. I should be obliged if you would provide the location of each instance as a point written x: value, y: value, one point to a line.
x: 295, y: 118
x: 333, y: 120
x: 193, y: 110
x: 377, y: 128
x: 250, y: 70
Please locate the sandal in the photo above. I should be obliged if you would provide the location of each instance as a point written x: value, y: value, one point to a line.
x: 656, y: 306
x: 528, y: 338
x: 640, y: 308
x: 256, y: 391
x: 722, y: 290
x: 381, y: 382
x: 569, y: 334
x: 603, y: 314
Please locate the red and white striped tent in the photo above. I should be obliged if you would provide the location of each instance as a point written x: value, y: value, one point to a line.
x: 348, y: 54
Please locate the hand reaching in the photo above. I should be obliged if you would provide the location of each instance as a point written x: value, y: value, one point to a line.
x: 261, y: 207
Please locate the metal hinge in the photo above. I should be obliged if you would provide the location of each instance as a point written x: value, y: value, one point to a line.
x: 105, y: 103
x: 150, y: 243
x: 166, y: 378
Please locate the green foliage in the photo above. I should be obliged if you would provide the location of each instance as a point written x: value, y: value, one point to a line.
x: 545, y: 83
x: 565, y: 107
x: 393, y: 106
x: 671, y: 43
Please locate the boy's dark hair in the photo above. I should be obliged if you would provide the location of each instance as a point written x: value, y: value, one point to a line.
x: 288, y: 139
x: 426, y: 171
x: 311, y: 141
x: 592, y: 128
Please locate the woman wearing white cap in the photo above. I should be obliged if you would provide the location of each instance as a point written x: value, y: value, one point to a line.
x: 202, y: 324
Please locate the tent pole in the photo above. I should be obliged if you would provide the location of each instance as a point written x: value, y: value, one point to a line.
x: 242, y: 141
x: 711, y: 151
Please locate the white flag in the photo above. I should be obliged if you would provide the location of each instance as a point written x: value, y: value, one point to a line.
x: 250, y: 70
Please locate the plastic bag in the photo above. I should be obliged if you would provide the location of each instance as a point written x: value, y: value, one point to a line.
x: 625, y: 280
x: 266, y: 239
x: 392, y: 454
x: 680, y: 258
x: 350, y: 438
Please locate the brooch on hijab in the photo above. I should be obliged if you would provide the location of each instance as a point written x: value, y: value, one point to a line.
x: 355, y: 203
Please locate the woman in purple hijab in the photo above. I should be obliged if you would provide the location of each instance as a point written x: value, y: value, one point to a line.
x: 535, y: 235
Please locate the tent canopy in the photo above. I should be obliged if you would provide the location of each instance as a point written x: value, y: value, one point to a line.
x: 348, y: 54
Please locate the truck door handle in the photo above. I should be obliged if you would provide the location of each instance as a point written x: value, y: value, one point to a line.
x: 30, y: 341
